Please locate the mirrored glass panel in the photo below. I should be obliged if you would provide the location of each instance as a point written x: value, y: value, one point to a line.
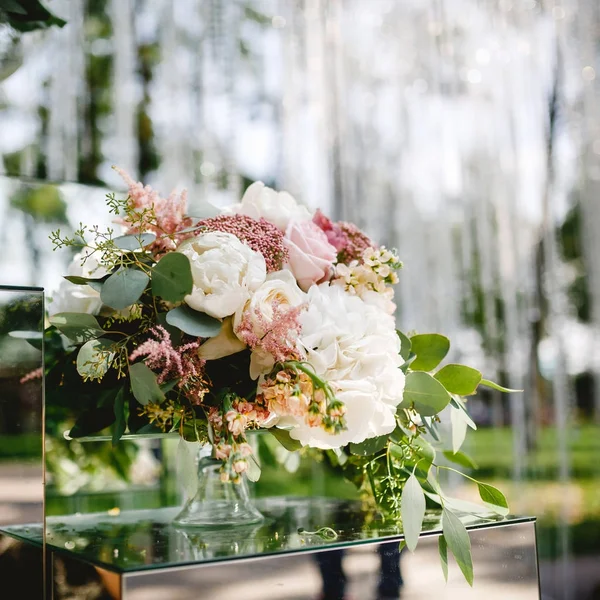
x: 21, y: 438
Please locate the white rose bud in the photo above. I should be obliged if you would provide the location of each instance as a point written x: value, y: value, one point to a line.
x: 78, y: 298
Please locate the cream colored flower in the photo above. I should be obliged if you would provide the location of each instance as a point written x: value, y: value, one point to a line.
x: 278, y: 208
x: 78, y: 298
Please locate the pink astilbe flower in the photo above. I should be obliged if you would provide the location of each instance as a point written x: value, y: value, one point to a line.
x: 182, y: 362
x: 167, y: 216
x: 346, y: 238
x: 258, y: 234
x: 276, y: 336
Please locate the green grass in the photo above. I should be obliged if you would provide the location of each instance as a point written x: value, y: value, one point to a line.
x: 492, y: 450
x: 19, y: 447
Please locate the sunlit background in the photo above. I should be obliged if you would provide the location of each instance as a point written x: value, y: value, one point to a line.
x: 464, y: 133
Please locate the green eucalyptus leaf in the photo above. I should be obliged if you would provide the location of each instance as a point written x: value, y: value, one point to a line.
x: 13, y: 6
x: 493, y: 498
x: 94, y: 358
x: 120, y: 420
x: 204, y: 210
x: 426, y: 453
x: 370, y: 446
x: 29, y: 16
x: 123, y: 288
x: 443, y: 550
x: 169, y: 385
x: 412, y: 510
x: 459, y: 428
x: 459, y: 379
x: 92, y: 421
x: 284, y: 438
x: 172, y: 277
x: 495, y: 386
x: 193, y: 322
x: 405, y: 345
x: 397, y: 451
x: 457, y: 538
x: 175, y: 333
x: 144, y: 385
x: 150, y: 428
x: 134, y: 242
x: 427, y: 394
x: 460, y: 458
x: 430, y: 349
x: 253, y: 472
x: 95, y: 284
x: 457, y: 403
x: 398, y: 435
x: 78, y: 327
x: 432, y: 429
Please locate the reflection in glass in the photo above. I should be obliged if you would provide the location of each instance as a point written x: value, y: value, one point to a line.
x: 21, y: 425
x: 21, y: 322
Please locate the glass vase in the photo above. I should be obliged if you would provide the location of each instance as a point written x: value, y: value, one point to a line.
x: 217, y: 503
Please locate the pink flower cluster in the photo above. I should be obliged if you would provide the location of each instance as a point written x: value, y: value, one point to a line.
x: 294, y: 393
x: 349, y: 241
x: 258, y: 234
x: 182, y: 362
x: 278, y: 335
x: 169, y: 213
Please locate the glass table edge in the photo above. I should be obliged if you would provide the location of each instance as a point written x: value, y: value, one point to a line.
x: 190, y: 564
x: 20, y: 288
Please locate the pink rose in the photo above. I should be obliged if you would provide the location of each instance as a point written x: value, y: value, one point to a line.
x: 311, y: 256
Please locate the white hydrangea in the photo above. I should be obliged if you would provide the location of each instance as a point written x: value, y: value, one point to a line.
x: 354, y: 346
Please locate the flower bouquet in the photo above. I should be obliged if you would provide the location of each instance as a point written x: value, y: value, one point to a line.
x: 260, y: 316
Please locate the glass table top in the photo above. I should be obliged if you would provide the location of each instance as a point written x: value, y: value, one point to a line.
x: 133, y: 541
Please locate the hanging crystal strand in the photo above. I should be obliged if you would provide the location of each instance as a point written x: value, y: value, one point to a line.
x: 197, y: 127
x: 168, y: 89
x: 230, y: 37
x: 124, y: 149
x: 291, y: 96
x: 219, y: 57
x: 67, y: 77
x: 29, y: 155
x: 336, y: 113
x: 487, y: 277
x: 316, y: 188
x: 502, y: 192
x: 588, y: 24
x: 555, y: 324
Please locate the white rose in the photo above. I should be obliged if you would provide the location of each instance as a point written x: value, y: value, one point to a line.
x: 354, y: 346
x: 279, y: 289
x: 225, y: 271
x: 278, y: 208
x: 78, y: 298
